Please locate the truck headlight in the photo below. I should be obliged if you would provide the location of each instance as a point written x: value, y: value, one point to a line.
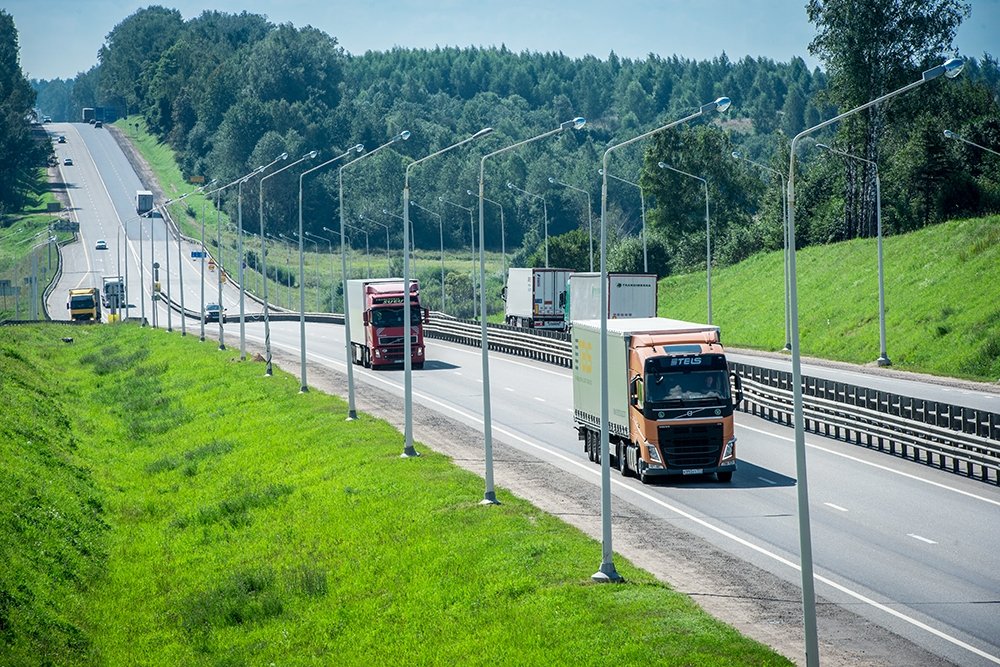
x: 378, y: 353
x: 654, y: 455
x: 730, y: 449
x: 420, y: 351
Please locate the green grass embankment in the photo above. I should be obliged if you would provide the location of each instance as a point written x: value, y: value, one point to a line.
x: 162, y: 503
x: 942, y: 312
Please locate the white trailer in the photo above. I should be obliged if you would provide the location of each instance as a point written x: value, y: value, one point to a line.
x: 143, y: 201
x: 536, y: 298
x: 630, y: 295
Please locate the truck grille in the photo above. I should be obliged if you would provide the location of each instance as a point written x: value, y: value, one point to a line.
x: 691, y: 445
x: 395, y: 340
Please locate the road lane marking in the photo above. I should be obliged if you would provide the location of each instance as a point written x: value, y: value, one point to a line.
x: 836, y: 507
x: 765, y: 479
x: 922, y: 539
x: 594, y: 473
x: 876, y: 465
x: 539, y: 399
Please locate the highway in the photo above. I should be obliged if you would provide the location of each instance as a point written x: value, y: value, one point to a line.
x: 910, y: 548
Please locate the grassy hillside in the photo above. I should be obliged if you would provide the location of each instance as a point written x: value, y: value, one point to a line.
x: 163, y: 504
x: 942, y: 312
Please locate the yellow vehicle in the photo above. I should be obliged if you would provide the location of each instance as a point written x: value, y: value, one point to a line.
x: 84, y: 304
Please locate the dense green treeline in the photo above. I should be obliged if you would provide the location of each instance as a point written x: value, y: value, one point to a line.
x: 228, y: 92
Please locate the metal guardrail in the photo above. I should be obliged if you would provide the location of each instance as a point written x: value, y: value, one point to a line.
x: 961, y: 440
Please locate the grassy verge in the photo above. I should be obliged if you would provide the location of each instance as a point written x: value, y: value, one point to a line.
x: 22, y: 236
x: 942, y: 316
x: 164, y: 504
x: 284, y: 257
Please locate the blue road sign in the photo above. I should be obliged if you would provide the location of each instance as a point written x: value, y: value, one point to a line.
x: 197, y: 254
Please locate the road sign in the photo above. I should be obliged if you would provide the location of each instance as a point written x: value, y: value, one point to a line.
x: 197, y: 254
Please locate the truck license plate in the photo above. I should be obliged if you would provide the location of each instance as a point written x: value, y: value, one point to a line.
x: 693, y: 471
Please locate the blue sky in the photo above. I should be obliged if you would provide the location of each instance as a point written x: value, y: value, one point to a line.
x: 60, y: 38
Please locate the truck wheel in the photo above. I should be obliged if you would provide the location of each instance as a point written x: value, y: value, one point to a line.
x: 623, y: 461
x: 725, y: 476
x: 366, y: 357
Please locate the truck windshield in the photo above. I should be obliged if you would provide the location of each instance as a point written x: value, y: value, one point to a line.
x: 81, y: 302
x: 392, y: 316
x: 687, y: 388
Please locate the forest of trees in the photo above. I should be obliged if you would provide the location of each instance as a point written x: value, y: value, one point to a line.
x: 228, y: 92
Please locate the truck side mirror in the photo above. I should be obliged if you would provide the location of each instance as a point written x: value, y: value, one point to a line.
x: 738, y: 383
x: 67, y: 306
x: 365, y: 318
x: 633, y: 391
x: 427, y: 315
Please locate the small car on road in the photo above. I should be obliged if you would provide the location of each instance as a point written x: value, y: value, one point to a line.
x: 101, y: 245
x: 68, y: 162
x: 61, y: 139
x: 214, y: 312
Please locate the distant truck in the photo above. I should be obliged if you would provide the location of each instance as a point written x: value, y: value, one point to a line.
x: 84, y: 304
x: 630, y: 295
x: 671, y: 397
x: 536, y: 298
x: 376, y: 309
x: 143, y: 201
x: 88, y: 115
x: 114, y: 293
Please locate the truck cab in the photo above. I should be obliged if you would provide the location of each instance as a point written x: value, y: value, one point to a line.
x: 84, y: 304
x: 377, y: 315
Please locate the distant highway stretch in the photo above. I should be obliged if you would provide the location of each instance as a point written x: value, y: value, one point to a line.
x: 909, y: 547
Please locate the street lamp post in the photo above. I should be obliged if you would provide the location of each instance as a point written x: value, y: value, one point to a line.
x: 607, y: 571
x: 545, y: 217
x: 708, y: 233
x: 351, y: 411
x: 503, y: 233
x: 472, y: 242
x: 368, y: 256
x: 242, y: 257
x: 958, y: 137
x: 303, y: 384
x: 784, y: 225
x: 263, y: 260
x: 950, y: 69
x: 883, y: 357
x: 408, y: 449
x: 381, y: 224
x: 642, y: 214
x: 202, y: 254
x: 489, y: 495
x: 440, y: 240
x: 590, y: 216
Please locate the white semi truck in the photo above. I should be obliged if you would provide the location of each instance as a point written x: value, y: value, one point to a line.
x: 630, y: 295
x: 536, y: 298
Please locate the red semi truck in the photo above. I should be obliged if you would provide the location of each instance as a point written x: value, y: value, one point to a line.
x: 376, y: 308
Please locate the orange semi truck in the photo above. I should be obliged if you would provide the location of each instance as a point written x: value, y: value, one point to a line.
x: 671, y: 397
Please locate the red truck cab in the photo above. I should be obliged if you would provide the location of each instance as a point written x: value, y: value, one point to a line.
x: 376, y: 314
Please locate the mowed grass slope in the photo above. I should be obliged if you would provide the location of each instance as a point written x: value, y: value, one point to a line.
x: 941, y: 289
x: 165, y: 504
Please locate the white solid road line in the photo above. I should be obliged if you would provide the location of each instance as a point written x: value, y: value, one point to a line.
x: 922, y: 539
x: 594, y: 472
x: 836, y: 507
x: 877, y: 465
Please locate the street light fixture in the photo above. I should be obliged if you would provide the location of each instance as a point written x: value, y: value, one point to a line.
x: 883, y: 357
x: 607, y: 572
x: 349, y: 358
x: 958, y: 137
x: 784, y: 225
x: 642, y: 209
x: 503, y: 232
x: 263, y: 261
x: 708, y: 233
x: 951, y: 68
x: 440, y: 240
x: 472, y: 241
x: 545, y: 217
x: 590, y: 217
x: 407, y: 338
x: 489, y: 495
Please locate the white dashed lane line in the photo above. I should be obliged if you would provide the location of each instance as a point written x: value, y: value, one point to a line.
x: 922, y: 539
x: 836, y: 507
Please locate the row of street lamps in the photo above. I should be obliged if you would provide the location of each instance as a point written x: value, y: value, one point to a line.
x: 606, y: 572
